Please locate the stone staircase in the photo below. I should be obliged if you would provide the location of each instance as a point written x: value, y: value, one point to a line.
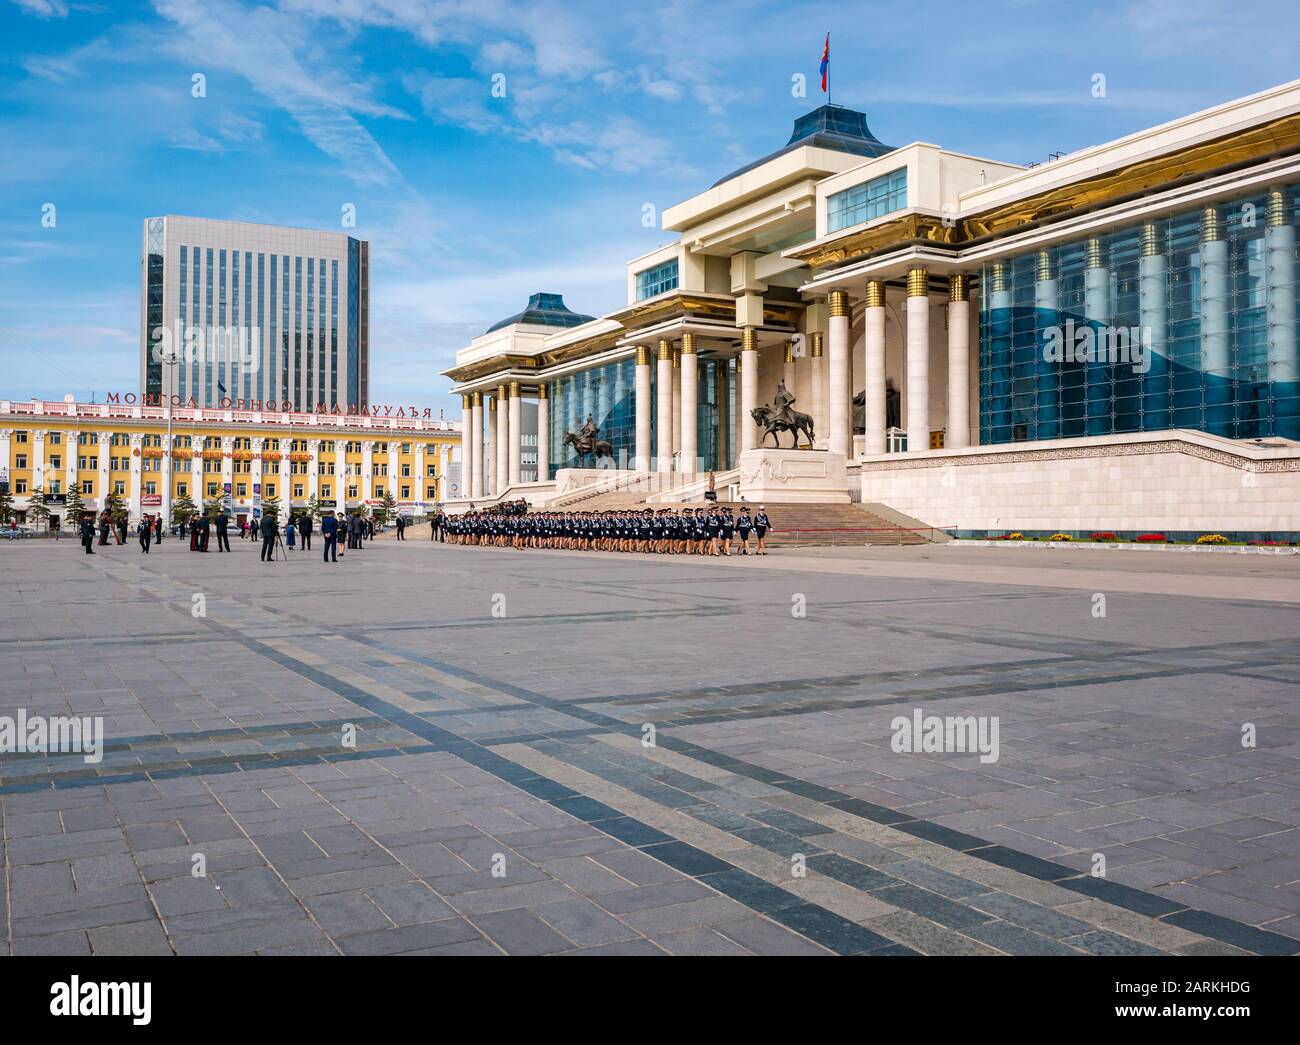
x: 794, y: 524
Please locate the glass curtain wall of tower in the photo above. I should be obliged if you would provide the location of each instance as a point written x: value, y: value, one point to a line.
x: 1187, y: 320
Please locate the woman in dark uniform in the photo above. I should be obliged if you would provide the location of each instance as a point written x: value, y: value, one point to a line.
x: 728, y: 530
x: 761, y: 526
x: 743, y: 525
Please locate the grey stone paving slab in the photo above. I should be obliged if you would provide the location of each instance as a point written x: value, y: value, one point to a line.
x: 231, y: 749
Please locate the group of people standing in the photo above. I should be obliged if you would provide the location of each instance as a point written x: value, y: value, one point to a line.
x: 665, y: 531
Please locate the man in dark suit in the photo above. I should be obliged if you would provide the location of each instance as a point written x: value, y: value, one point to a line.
x: 269, y: 533
x: 329, y: 529
x: 205, y: 532
x: 223, y: 541
x: 88, y: 532
x: 304, y: 530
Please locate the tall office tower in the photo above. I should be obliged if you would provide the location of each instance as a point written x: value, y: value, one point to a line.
x: 253, y: 316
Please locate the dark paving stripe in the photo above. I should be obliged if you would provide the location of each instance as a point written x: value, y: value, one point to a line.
x: 203, y: 767
x: 816, y: 923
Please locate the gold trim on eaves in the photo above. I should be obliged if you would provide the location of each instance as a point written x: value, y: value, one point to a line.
x: 1278, y: 137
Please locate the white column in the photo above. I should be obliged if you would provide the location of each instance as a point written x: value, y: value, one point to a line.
x: 490, y: 412
x: 340, y: 474
x: 689, y: 383
x: 748, y: 388
x: 475, y: 464
x: 466, y: 445
x: 818, y: 372
x: 516, y: 449
x: 313, y: 469
x: 1153, y: 300
x: 643, y: 407
x: 543, y: 432
x: 1096, y: 306
x: 367, y: 471
x: 503, y: 439
x: 394, y: 468
x: 71, y: 444
x: 254, y: 475
x: 838, y: 365
x: 1283, y: 352
x: 677, y: 404
x: 918, y: 360
x: 874, y: 417
x: 105, y: 449
x: 958, y: 362
x: 664, y: 404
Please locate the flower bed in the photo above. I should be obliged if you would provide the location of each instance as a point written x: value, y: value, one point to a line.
x: 1151, y: 538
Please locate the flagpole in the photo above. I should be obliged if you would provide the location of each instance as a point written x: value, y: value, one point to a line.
x: 828, y: 69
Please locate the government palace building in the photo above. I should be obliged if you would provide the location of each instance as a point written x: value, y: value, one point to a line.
x: 1105, y: 341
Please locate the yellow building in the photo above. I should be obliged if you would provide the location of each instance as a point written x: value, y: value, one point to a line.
x: 244, y: 456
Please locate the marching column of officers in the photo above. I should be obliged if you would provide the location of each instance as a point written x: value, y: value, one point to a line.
x: 665, y: 531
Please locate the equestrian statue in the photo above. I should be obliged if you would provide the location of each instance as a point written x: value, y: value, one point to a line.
x: 781, y: 417
x: 585, y: 444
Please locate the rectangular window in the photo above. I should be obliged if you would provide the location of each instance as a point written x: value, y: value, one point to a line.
x: 20, y: 461
x: 88, y: 487
x: 119, y: 487
x: 871, y: 199
x: 406, y: 493
x: 20, y: 486
x: 151, y: 487
x: 657, y: 280
x: 181, y: 488
x: 212, y: 489
x: 54, y: 438
x: 433, y: 493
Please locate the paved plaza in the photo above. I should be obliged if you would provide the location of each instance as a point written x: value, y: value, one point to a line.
x: 585, y: 753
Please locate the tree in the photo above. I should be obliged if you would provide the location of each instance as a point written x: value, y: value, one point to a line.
x: 116, y: 512
x: 184, y: 510
x: 6, y: 503
x: 313, y: 506
x: 271, y: 507
x: 37, y: 510
x: 214, y: 506
x: 386, y: 508
x: 74, y: 507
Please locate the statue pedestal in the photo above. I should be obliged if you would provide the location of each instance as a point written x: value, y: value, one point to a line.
x: 794, y: 477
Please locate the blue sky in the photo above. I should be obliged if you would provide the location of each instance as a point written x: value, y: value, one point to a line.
x: 471, y: 202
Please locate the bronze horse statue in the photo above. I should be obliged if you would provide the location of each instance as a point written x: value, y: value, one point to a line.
x: 587, y: 445
x: 770, y: 421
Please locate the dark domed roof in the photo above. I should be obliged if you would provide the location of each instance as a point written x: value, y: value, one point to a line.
x: 828, y: 127
x: 544, y: 310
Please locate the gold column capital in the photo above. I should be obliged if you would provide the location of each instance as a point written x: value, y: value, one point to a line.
x: 1150, y: 239
x: 789, y: 351
x: 816, y: 349
x: 875, y: 293
x: 1043, y: 265
x: 503, y: 391
x: 543, y: 390
x: 688, y: 344
x: 959, y: 287
x: 1211, y: 227
x: 677, y: 358
x: 998, y: 276
x: 749, y: 340
x: 467, y: 401
x: 1095, y: 256
x: 477, y: 400
x: 838, y: 303
x: 918, y: 282
x: 514, y: 389
x: 1276, y: 208
x: 665, y: 349
x: 642, y: 355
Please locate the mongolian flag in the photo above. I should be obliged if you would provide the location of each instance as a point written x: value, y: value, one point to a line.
x: 826, y: 60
